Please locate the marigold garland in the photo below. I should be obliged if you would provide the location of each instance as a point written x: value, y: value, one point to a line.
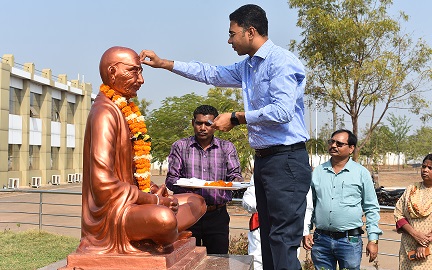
x: 140, y: 139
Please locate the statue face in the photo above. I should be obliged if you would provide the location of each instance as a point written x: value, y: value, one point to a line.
x: 127, y: 74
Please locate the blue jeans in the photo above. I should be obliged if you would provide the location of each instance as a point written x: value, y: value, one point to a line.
x: 326, y: 252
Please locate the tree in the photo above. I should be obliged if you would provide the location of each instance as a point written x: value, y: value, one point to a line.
x: 230, y: 100
x: 380, y: 142
x: 170, y: 122
x: 420, y: 144
x: 399, y: 127
x: 359, y: 60
x: 143, y: 105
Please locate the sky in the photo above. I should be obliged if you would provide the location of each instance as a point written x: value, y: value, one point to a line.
x: 69, y: 37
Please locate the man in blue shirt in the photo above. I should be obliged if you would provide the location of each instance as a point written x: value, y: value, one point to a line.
x: 342, y: 191
x: 273, y: 81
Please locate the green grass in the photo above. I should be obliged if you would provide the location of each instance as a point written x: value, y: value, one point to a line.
x: 33, y: 249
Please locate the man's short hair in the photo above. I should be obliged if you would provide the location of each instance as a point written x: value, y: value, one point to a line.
x: 205, y: 110
x: 251, y: 15
x: 352, y: 139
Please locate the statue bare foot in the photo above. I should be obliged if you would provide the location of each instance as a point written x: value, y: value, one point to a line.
x: 184, y: 235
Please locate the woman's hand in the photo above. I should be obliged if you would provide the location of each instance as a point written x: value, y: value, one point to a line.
x: 420, y: 253
x: 421, y: 238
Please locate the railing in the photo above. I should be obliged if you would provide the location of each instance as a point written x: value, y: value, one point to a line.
x: 72, y: 210
x: 41, y: 201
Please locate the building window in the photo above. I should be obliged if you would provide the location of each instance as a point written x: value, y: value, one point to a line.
x: 14, y: 100
x: 13, y: 157
x: 34, y: 157
x: 54, y: 158
x: 35, y: 105
x: 69, y: 158
x: 55, y: 110
x: 70, y: 112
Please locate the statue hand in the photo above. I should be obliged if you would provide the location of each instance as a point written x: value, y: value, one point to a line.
x: 174, y: 205
x: 162, y: 191
x: 171, y: 202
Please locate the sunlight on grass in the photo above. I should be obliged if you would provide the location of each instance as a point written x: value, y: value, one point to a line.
x: 33, y: 249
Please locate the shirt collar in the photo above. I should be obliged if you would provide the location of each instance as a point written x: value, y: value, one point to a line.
x: 265, y: 49
x: 262, y: 52
x: 348, y: 166
x: 214, y: 143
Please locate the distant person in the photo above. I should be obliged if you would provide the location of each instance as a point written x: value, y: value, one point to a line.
x: 116, y: 215
x: 342, y: 192
x: 414, y: 221
x: 209, y: 158
x: 273, y: 82
x: 254, y: 239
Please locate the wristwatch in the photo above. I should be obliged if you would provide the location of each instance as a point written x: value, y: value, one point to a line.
x: 374, y: 241
x: 234, y: 119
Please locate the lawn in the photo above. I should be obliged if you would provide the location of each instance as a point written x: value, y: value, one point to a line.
x: 33, y: 249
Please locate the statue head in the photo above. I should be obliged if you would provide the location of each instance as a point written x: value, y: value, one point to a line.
x: 120, y: 69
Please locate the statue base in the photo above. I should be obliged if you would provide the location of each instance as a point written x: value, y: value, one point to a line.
x: 185, y: 255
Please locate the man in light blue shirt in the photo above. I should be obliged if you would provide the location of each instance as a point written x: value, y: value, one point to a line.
x: 273, y: 81
x: 342, y: 191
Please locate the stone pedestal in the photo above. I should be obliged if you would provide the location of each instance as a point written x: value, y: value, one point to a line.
x: 185, y: 255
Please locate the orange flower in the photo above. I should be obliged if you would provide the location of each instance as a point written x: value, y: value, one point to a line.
x: 137, y: 129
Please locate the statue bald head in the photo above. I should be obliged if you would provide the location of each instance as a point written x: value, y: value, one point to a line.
x: 109, y: 58
x: 120, y: 69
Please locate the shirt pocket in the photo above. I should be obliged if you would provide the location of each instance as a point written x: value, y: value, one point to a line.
x: 351, y: 194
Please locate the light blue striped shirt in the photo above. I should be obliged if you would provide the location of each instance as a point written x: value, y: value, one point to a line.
x: 273, y: 82
x: 341, y: 199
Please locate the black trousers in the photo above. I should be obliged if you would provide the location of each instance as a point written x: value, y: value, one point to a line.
x: 282, y: 181
x: 212, y: 231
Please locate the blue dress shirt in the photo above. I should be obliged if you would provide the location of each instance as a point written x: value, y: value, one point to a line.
x: 273, y: 82
x: 341, y: 199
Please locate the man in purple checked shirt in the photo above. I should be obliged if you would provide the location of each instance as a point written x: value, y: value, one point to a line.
x: 209, y: 158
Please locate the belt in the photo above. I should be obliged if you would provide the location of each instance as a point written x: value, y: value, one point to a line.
x: 278, y: 149
x: 213, y: 207
x: 338, y: 235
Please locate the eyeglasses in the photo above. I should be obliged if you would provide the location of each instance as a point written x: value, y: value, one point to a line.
x: 135, y: 70
x: 208, y: 123
x: 338, y: 143
x: 232, y: 34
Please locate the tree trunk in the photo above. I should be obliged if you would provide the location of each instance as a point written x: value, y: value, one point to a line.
x: 354, y: 119
x: 334, y: 116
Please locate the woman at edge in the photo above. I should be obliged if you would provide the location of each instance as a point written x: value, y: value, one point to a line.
x: 414, y: 220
